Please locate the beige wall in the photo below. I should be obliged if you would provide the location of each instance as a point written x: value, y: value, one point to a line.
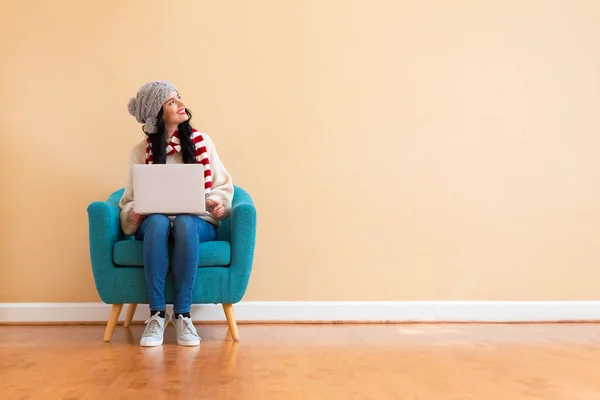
x: 403, y: 150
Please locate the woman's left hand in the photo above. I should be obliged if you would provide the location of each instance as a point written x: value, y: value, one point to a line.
x: 215, y: 207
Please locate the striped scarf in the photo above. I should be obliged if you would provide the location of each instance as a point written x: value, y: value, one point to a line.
x: 174, y: 146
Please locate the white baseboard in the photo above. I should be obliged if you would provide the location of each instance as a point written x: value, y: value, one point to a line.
x: 322, y: 311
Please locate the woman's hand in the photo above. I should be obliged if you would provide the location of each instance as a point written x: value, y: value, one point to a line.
x: 214, y: 206
x: 135, y: 218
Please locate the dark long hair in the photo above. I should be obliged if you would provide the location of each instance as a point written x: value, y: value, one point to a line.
x: 158, y: 140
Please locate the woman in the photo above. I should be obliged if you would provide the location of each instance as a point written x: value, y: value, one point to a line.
x: 171, y: 139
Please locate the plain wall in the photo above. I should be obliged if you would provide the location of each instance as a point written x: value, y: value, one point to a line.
x: 396, y: 150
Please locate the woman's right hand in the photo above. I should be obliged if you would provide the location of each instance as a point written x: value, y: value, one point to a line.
x: 135, y: 218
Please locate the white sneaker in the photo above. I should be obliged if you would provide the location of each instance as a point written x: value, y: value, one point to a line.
x: 154, y: 332
x: 186, y: 332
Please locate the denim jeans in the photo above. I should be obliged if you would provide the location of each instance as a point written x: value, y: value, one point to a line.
x: 187, y: 232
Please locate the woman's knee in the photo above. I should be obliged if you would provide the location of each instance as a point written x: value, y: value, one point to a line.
x: 158, y: 223
x: 185, y: 226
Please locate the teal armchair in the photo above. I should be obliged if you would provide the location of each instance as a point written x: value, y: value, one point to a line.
x: 223, y: 270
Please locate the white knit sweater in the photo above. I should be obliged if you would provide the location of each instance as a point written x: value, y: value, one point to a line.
x: 222, y: 186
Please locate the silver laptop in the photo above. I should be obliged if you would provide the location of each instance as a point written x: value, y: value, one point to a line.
x: 169, y: 189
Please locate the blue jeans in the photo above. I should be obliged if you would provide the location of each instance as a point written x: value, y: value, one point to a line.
x: 187, y: 233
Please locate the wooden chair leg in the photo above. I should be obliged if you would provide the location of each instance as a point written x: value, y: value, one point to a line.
x: 233, y: 330
x: 112, y: 321
x: 129, y: 316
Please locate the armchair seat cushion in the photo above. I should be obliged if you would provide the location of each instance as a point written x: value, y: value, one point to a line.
x: 128, y: 253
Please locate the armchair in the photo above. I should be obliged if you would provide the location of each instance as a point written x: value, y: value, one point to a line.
x: 223, y: 269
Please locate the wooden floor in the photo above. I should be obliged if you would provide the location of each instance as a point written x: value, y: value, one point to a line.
x: 505, y: 362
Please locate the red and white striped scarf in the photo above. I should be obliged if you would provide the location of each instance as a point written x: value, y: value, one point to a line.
x: 174, y: 146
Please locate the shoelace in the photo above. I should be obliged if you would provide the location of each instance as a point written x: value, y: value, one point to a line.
x: 152, y: 327
x: 188, y: 327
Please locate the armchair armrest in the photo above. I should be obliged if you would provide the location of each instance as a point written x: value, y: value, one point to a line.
x: 243, y: 239
x: 104, y: 232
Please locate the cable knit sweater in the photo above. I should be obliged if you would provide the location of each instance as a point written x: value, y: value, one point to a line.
x: 222, y: 186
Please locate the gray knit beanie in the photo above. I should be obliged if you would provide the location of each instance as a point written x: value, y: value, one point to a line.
x: 147, y: 103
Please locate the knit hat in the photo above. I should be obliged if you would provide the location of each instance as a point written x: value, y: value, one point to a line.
x: 148, y: 102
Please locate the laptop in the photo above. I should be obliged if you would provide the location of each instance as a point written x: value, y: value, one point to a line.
x: 169, y: 189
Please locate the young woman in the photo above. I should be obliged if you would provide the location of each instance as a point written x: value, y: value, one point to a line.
x: 171, y: 139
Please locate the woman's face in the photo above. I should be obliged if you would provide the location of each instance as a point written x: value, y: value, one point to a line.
x: 174, y: 109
